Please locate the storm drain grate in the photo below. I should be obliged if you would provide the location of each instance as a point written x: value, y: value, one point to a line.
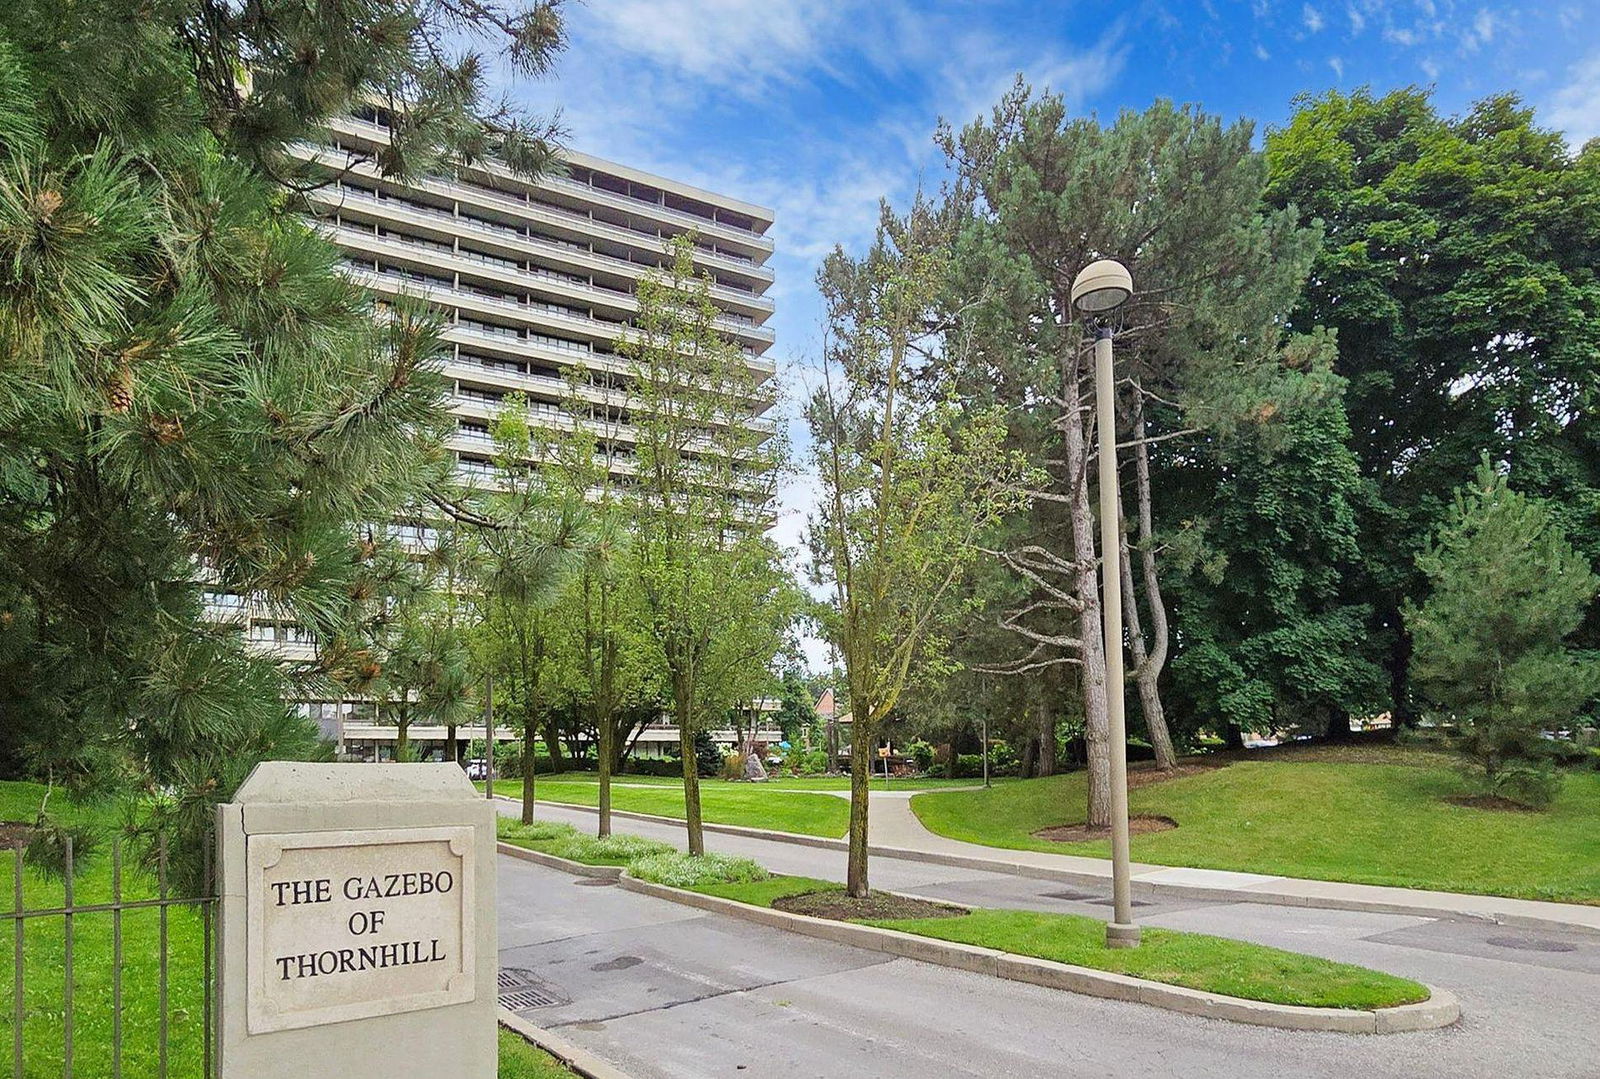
x: 1108, y: 902
x: 595, y: 882
x: 1532, y: 944
x: 520, y: 990
x: 1068, y: 894
x: 523, y: 999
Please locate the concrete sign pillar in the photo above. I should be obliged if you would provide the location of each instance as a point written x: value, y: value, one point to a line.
x: 357, y: 934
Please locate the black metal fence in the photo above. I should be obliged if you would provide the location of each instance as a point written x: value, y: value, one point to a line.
x: 72, y: 1021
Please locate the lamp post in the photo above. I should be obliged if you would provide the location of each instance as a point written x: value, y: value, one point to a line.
x: 1099, y: 289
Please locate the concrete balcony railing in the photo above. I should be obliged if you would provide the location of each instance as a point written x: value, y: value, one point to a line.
x: 572, y: 253
x: 532, y: 314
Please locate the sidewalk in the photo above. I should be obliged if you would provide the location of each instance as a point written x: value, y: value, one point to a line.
x: 897, y: 833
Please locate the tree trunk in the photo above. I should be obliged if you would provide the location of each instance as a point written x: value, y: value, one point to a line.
x: 1149, y: 658
x: 833, y: 740
x: 603, y: 761
x: 683, y: 707
x: 452, y: 749
x: 402, y: 737
x: 1155, y: 719
x: 529, y: 759
x: 552, y: 742
x: 1047, y: 740
x: 860, y: 786
x: 1096, y: 725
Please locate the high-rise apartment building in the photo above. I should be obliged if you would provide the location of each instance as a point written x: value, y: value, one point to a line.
x: 538, y: 277
x: 536, y: 280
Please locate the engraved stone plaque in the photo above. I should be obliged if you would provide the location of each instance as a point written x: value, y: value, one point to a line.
x: 346, y: 925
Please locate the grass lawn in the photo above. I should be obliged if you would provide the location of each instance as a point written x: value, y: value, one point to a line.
x: 792, y: 783
x: 721, y: 803
x: 1317, y: 816
x: 43, y: 954
x: 519, y: 1060
x: 1193, y: 960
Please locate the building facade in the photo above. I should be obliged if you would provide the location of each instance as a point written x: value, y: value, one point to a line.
x: 535, y: 281
x: 537, y: 278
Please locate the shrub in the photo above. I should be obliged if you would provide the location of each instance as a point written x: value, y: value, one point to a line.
x: 707, y: 757
x: 1594, y: 757
x: 679, y: 870
x: 1002, y: 759
x: 733, y: 765
x: 655, y: 766
x: 937, y: 771
x: 1532, y: 783
x: 967, y: 766
x: 921, y: 755
x: 812, y: 762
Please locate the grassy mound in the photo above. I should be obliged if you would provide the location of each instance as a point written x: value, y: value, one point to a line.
x: 1316, y: 816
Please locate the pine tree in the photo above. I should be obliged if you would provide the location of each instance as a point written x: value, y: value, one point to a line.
x: 1489, y: 644
x: 194, y: 404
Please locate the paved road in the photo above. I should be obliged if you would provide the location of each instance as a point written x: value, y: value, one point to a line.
x: 667, y: 991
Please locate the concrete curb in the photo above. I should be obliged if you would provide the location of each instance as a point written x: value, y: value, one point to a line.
x: 573, y: 1056
x: 1440, y: 1010
x: 1142, y: 889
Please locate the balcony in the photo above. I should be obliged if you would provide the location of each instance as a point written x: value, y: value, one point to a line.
x: 580, y: 255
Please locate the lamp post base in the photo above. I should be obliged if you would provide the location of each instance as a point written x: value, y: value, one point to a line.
x: 1121, y: 936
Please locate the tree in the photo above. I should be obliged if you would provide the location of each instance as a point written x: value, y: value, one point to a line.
x: 705, y: 475
x: 1176, y: 196
x: 908, y: 482
x: 1268, y: 637
x: 1458, y: 268
x: 536, y: 529
x: 797, y: 716
x: 600, y: 613
x: 426, y: 670
x: 1490, y: 647
x: 194, y: 405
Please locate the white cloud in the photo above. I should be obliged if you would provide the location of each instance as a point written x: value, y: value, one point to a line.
x: 1575, y: 108
x: 1313, y: 19
x: 743, y: 46
x: 1262, y: 53
x: 1338, y: 66
x: 1399, y: 35
x: 1430, y: 69
x: 1358, y: 21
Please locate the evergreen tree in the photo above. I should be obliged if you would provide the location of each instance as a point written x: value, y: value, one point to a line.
x: 1490, y: 653
x: 194, y: 405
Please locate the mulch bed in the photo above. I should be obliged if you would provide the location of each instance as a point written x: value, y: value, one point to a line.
x: 1143, y: 777
x: 879, y: 906
x: 1490, y: 801
x: 1082, y: 833
x: 14, y: 834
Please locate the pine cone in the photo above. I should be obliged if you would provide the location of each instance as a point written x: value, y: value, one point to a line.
x: 119, y: 389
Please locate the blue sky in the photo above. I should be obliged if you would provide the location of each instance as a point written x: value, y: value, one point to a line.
x: 819, y: 108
